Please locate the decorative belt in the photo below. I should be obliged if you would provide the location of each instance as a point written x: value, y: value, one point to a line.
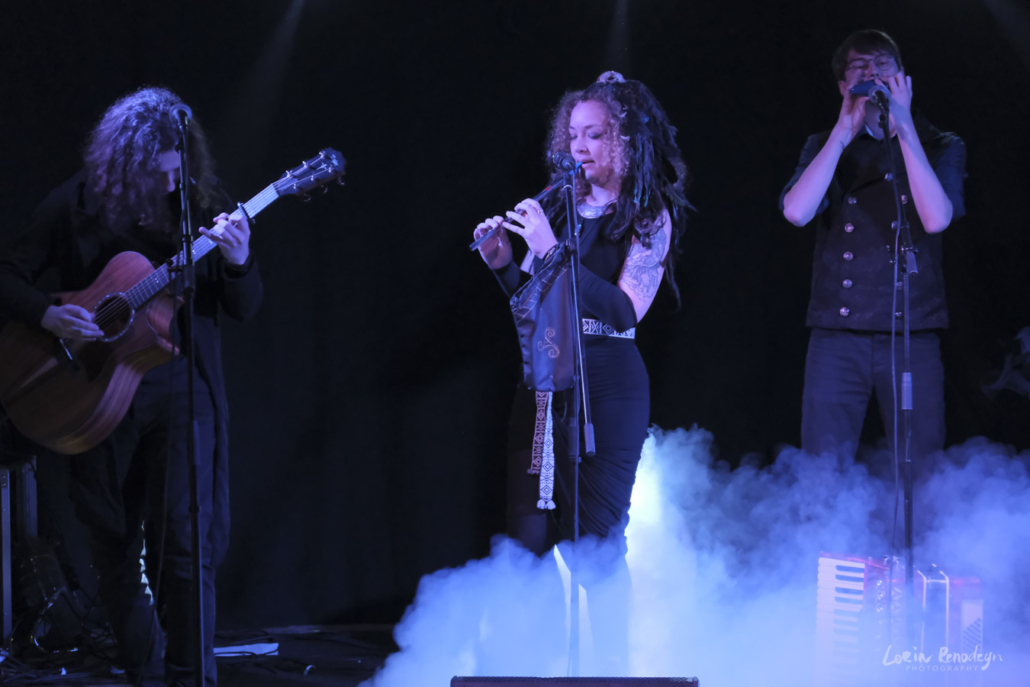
x: 599, y: 328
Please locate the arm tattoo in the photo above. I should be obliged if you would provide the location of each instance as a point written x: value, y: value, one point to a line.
x: 643, y: 269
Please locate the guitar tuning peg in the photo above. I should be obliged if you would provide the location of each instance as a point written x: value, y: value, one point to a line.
x: 340, y: 181
x: 325, y: 189
x: 305, y: 198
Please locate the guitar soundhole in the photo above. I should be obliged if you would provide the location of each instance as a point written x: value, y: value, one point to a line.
x: 113, y: 315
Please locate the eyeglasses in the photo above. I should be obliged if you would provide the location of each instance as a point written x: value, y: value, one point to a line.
x: 884, y: 63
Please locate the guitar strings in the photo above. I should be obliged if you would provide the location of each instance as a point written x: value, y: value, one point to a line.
x: 116, y: 308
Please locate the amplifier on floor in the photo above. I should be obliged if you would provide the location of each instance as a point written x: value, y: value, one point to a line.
x: 17, y: 524
x: 575, y: 681
x: 6, y: 614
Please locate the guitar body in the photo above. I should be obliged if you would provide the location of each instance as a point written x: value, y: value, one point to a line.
x: 70, y: 406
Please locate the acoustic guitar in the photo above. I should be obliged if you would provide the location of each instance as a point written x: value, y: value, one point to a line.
x: 70, y: 395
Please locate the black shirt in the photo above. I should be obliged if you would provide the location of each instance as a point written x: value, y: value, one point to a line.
x: 853, y: 274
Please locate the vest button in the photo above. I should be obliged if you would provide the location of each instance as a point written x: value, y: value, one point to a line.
x: 848, y: 256
x: 852, y: 200
x: 904, y: 199
x: 844, y: 312
x: 849, y: 227
x: 847, y: 284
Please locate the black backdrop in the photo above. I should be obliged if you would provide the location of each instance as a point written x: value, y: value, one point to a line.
x: 369, y: 398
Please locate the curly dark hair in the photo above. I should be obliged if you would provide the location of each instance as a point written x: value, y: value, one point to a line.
x: 122, y: 154
x: 641, y: 140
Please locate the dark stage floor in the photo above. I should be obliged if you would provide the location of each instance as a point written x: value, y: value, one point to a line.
x: 342, y: 656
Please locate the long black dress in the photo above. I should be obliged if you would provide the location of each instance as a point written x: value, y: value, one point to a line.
x: 620, y: 404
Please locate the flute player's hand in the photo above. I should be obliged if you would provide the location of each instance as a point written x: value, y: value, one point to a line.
x: 496, y: 251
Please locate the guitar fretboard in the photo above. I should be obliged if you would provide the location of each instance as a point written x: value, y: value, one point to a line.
x: 151, y: 285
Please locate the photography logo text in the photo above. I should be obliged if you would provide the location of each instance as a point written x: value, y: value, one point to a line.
x: 944, y: 660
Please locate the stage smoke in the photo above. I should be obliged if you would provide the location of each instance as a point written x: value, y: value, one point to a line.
x: 724, y: 568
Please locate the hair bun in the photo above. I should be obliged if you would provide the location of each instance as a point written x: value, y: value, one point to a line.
x: 611, y: 77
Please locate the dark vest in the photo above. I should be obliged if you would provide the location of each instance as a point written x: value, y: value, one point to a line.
x: 853, y: 273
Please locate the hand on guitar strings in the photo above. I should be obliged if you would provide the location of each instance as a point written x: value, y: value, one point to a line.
x: 71, y: 322
x: 232, y: 236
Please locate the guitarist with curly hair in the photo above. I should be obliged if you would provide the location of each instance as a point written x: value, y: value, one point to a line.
x: 132, y: 486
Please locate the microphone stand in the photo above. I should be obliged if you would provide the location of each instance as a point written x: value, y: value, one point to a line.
x: 903, y: 246
x: 188, y: 270
x: 580, y: 398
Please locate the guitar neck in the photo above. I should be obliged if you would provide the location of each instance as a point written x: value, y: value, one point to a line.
x: 150, y: 286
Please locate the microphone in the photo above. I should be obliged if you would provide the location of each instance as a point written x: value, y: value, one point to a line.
x: 878, y: 93
x: 180, y: 113
x: 493, y: 232
x: 564, y: 161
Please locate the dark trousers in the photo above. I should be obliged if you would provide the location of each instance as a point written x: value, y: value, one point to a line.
x: 134, y: 488
x: 844, y: 368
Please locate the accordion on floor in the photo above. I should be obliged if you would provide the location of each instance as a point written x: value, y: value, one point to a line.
x: 859, y: 613
x: 953, y: 612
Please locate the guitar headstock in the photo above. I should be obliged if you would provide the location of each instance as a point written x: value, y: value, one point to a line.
x: 324, y: 168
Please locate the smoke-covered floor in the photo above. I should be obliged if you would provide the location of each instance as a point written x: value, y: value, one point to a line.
x: 724, y: 568
x: 723, y: 571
